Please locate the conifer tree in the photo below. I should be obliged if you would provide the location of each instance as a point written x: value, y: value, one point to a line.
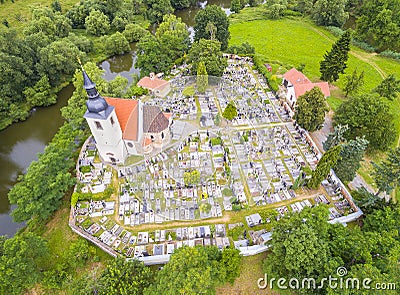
x: 335, y: 61
x: 202, y: 77
x: 325, y: 164
x: 351, y: 155
x: 336, y: 137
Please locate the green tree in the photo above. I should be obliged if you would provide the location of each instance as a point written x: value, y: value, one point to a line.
x: 231, y: 261
x: 379, y: 24
x: 40, y: 94
x: 350, y: 158
x: 122, y: 277
x: 191, y: 270
x: 368, y: 201
x: 57, y: 59
x: 180, y: 4
x: 310, y: 109
x: 236, y: 6
x: 387, y: 173
x: 209, y: 52
x: 20, y: 262
x: 133, y: 32
x: 43, y: 24
x: 367, y: 115
x: 230, y: 111
x: 336, y: 137
x: 116, y: 44
x: 56, y: 6
x: 353, y: 83
x: 325, y: 164
x: 191, y: 178
x: 97, y: 23
x: 300, y: 246
x: 215, y: 15
x: 388, y: 88
x: 62, y: 25
x: 151, y: 57
x: 117, y: 87
x: 84, y: 44
x: 335, y: 61
x: 174, y: 36
x: 156, y: 9
x: 136, y: 91
x: 202, y: 77
x: 330, y: 13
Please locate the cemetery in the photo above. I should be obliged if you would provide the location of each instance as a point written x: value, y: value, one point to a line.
x: 210, y: 169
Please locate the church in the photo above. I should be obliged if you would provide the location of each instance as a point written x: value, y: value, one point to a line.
x: 123, y: 127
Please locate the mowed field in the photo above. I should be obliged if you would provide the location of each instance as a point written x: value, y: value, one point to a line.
x: 19, y: 13
x: 290, y: 42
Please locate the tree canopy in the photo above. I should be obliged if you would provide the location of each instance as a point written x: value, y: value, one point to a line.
x: 195, y: 270
x: 387, y: 173
x: 367, y: 115
x: 209, y: 52
x: 214, y: 15
x: 335, y: 61
x: 310, y: 109
x: 230, y: 112
x: 388, y: 88
x: 202, y: 77
x: 324, y: 166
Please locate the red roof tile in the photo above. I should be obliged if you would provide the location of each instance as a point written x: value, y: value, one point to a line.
x: 152, y: 84
x: 295, y: 77
x: 127, y: 114
x: 300, y: 89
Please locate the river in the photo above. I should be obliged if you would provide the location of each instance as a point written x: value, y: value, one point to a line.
x: 20, y: 143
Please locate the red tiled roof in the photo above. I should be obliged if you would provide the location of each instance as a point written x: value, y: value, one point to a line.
x: 127, y: 114
x: 302, y: 84
x: 152, y: 84
x: 295, y: 77
x: 300, y: 89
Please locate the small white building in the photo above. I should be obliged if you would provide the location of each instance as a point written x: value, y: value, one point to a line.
x: 296, y: 84
x: 123, y: 127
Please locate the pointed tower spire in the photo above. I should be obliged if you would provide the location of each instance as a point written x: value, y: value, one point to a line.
x: 96, y: 104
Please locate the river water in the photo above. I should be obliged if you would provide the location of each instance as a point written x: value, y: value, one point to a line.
x: 20, y: 143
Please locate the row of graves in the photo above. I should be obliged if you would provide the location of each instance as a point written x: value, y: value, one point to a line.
x: 271, y: 162
x: 93, y: 175
x: 240, y: 83
x: 184, y: 182
x: 159, y: 242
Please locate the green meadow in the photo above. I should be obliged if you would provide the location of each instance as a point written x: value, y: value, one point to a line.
x: 293, y: 41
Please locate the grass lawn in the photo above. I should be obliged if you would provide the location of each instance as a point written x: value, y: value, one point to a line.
x: 19, y: 13
x: 246, y: 283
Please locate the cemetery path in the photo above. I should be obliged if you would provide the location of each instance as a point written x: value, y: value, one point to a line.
x: 227, y: 217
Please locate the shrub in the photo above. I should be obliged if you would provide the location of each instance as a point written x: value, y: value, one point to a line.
x: 338, y: 32
x: 363, y: 45
x: 390, y: 54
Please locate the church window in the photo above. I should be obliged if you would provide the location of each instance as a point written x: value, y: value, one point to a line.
x: 162, y: 135
x: 112, y: 121
x: 130, y: 144
x: 98, y: 125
